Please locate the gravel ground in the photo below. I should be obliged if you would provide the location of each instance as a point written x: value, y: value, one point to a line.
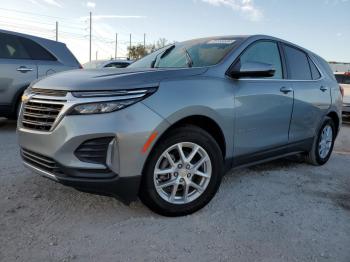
x: 281, y: 211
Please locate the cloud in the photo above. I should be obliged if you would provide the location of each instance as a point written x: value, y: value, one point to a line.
x: 335, y: 2
x: 245, y: 7
x: 49, y: 2
x: 339, y: 34
x: 100, y: 17
x: 91, y: 4
x: 53, y: 2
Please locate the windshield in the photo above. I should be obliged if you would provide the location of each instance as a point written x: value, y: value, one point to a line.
x: 195, y: 53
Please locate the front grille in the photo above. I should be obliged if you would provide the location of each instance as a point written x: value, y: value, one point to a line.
x: 40, y: 116
x: 40, y: 161
x: 49, y: 92
x: 94, y: 151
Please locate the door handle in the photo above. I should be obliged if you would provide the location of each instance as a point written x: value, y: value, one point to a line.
x: 286, y: 90
x: 24, y: 69
x: 323, y: 88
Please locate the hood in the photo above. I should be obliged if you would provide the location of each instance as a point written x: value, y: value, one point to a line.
x: 113, y: 79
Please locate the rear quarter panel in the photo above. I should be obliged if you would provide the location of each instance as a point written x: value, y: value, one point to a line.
x: 46, y: 68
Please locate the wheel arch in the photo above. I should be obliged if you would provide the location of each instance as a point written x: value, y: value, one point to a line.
x: 334, y: 116
x: 202, y: 121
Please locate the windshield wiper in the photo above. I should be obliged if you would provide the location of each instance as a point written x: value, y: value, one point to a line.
x: 188, y: 58
x: 166, y: 52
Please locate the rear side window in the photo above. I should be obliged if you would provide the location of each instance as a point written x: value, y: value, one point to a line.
x: 12, y: 48
x: 36, y: 51
x: 314, y: 71
x: 264, y: 52
x: 298, y: 64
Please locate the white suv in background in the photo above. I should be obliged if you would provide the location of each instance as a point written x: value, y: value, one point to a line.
x: 343, y: 79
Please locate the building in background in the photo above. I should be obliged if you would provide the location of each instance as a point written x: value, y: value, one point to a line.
x: 340, y: 67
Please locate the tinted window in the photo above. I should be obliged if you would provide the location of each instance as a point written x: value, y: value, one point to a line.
x: 264, y: 52
x: 346, y: 80
x: 117, y: 65
x: 314, y: 71
x: 343, y: 79
x: 12, y: 48
x: 36, y: 52
x: 339, y: 78
x: 298, y: 65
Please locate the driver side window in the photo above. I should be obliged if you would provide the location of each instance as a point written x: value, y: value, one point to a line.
x: 264, y: 52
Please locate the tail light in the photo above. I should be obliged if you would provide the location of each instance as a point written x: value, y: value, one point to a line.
x: 341, y: 90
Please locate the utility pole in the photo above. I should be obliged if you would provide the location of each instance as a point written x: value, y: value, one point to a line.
x: 90, y: 37
x: 116, y: 46
x: 96, y: 54
x: 144, y: 41
x: 56, y: 31
x: 129, y: 47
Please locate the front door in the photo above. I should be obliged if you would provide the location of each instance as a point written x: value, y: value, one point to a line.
x: 263, y: 106
x: 17, y: 69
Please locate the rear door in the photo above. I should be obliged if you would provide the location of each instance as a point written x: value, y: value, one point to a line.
x: 263, y: 105
x: 47, y: 63
x: 312, y: 97
x: 17, y: 70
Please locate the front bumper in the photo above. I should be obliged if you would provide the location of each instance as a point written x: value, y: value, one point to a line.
x: 121, y: 174
x: 125, y: 189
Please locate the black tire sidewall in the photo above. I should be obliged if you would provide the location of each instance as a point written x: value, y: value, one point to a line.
x: 148, y: 193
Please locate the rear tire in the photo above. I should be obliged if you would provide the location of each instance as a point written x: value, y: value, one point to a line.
x: 166, y: 165
x: 323, y: 144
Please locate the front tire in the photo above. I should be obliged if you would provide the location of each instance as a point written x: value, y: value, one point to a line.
x: 183, y: 172
x: 323, y: 144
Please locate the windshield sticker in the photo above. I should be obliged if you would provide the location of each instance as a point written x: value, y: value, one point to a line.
x: 222, y: 41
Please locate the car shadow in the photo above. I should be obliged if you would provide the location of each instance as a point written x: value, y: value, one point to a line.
x: 7, y: 125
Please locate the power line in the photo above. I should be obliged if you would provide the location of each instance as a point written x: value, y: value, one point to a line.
x: 25, y: 12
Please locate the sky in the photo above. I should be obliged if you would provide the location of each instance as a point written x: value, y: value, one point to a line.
x: 322, y: 26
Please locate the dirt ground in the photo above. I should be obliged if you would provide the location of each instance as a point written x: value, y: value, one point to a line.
x: 280, y: 211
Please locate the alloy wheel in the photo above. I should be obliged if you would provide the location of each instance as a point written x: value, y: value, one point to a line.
x: 326, y: 140
x: 182, y: 173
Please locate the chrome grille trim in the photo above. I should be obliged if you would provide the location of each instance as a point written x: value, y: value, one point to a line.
x: 40, y: 115
x: 39, y: 161
x: 49, y: 92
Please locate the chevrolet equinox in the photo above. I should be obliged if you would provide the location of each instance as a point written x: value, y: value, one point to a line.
x: 168, y: 127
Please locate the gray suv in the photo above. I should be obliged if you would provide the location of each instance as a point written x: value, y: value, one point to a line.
x: 24, y: 58
x: 168, y: 127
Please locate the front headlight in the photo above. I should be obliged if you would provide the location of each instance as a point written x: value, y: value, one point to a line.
x: 101, y: 107
x: 118, y: 100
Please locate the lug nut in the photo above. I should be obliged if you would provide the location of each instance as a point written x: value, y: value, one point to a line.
x: 188, y: 167
x: 181, y: 180
x: 175, y: 174
x: 180, y: 166
x: 188, y: 175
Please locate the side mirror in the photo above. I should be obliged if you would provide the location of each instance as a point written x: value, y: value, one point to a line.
x: 252, y: 69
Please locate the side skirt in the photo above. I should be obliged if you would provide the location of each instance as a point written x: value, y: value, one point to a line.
x: 269, y: 155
